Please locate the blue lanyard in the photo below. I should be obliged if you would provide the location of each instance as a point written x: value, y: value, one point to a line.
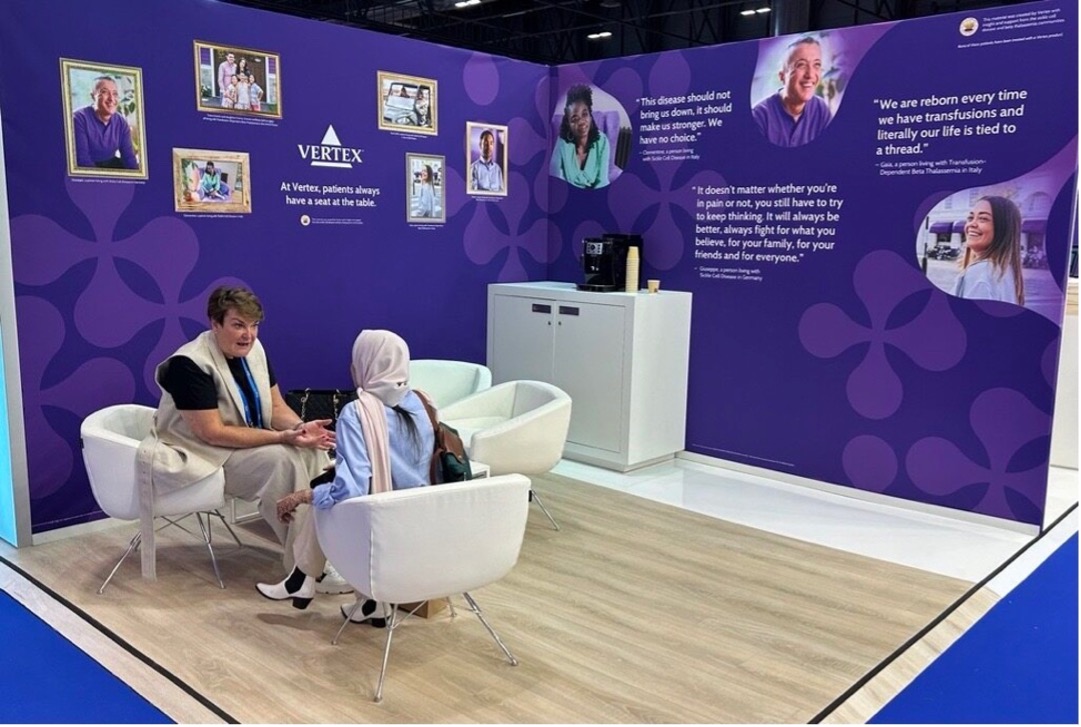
x: 257, y: 421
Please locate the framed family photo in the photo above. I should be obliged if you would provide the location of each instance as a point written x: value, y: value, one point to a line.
x: 236, y: 80
x: 426, y: 190
x: 486, y: 158
x: 206, y: 181
x: 408, y: 103
x: 104, y: 126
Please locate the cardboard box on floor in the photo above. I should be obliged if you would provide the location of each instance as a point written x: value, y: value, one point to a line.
x: 428, y: 609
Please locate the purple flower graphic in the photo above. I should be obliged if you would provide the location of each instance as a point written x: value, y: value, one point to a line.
x: 485, y: 238
x: 1004, y: 421
x: 934, y: 339
x: 108, y: 313
x: 870, y: 463
x: 639, y: 199
x: 51, y: 458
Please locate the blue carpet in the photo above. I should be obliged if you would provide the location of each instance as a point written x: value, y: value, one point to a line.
x: 47, y: 679
x: 1016, y: 665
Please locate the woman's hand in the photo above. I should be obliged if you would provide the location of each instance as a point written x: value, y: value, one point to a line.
x: 288, y: 504
x: 310, y: 435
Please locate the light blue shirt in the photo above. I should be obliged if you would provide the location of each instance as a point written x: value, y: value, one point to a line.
x: 486, y: 176
x: 409, y: 459
x: 981, y: 281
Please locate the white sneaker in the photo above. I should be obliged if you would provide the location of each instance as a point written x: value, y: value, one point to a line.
x: 332, y: 582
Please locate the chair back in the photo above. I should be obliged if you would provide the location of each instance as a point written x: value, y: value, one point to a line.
x: 517, y: 426
x: 427, y: 542
x: 110, y: 439
x: 445, y: 382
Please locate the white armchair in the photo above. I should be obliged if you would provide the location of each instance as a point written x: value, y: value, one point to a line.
x: 423, y: 543
x: 110, y: 440
x: 445, y: 382
x: 519, y: 426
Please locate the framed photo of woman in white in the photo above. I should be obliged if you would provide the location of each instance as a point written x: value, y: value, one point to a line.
x: 425, y: 189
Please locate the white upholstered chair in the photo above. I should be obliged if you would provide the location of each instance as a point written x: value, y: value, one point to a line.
x: 518, y: 426
x: 445, y: 382
x: 110, y: 440
x: 411, y: 546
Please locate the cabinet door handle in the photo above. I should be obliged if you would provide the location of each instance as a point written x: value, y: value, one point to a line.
x: 541, y: 308
x: 567, y: 310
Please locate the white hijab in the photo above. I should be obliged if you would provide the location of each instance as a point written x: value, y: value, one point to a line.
x: 380, y: 370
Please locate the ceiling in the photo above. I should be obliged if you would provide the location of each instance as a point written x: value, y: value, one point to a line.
x: 555, y: 31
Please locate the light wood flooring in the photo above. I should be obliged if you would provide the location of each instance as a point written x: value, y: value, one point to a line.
x: 634, y: 612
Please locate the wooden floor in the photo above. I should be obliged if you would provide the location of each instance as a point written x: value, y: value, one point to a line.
x: 633, y: 612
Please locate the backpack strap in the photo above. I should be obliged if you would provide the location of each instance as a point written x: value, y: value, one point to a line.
x: 433, y: 467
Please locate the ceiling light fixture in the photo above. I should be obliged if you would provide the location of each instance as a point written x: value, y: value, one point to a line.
x: 600, y: 35
x: 762, y: 10
x: 754, y: 11
x: 746, y: 13
x: 466, y: 3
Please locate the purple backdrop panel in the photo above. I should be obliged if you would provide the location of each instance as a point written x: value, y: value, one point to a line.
x: 822, y: 346
x: 112, y: 274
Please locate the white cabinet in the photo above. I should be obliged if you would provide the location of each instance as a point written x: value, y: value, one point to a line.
x: 622, y: 357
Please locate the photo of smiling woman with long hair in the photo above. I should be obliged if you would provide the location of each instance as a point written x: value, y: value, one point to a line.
x: 991, y: 263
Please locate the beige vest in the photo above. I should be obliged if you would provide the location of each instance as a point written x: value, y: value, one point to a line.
x: 172, y: 456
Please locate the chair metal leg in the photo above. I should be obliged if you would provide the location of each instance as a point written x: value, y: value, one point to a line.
x: 348, y: 617
x: 534, y: 497
x: 132, y: 545
x: 206, y: 539
x: 476, y: 609
x: 225, y: 522
x: 394, y: 623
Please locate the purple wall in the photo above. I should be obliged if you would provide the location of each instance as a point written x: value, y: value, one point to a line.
x: 846, y: 363
x: 110, y: 278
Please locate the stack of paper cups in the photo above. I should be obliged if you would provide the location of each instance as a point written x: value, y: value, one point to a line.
x: 632, y: 270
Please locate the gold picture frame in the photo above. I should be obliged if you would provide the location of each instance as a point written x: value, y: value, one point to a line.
x: 408, y: 104
x: 226, y: 190
x: 486, y: 179
x: 91, y: 90
x: 425, y: 206
x: 261, y: 96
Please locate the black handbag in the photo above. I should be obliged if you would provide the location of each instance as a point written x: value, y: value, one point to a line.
x: 312, y: 404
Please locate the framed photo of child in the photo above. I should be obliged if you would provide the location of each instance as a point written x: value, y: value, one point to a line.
x: 105, y: 131
x: 235, y: 80
x: 408, y: 104
x: 211, y: 181
x: 426, y: 190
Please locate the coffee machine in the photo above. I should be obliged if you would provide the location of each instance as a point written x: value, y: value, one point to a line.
x: 604, y: 260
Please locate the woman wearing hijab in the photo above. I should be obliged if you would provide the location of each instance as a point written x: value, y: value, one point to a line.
x: 384, y: 442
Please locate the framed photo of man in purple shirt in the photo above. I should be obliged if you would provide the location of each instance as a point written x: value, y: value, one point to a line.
x: 235, y: 80
x: 105, y: 133
x: 797, y: 88
x: 486, y: 156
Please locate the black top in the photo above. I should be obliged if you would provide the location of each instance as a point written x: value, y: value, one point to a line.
x: 194, y: 389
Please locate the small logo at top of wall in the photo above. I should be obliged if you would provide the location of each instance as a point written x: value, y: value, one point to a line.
x: 330, y: 153
x: 969, y: 26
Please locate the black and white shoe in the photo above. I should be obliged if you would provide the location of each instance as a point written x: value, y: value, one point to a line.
x: 374, y: 612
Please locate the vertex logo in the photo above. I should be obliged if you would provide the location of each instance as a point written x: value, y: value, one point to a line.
x: 330, y: 153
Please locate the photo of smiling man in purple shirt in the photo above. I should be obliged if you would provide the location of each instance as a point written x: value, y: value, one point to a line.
x: 102, y: 136
x: 795, y: 115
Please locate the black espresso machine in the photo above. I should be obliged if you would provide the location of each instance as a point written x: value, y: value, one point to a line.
x: 604, y: 260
